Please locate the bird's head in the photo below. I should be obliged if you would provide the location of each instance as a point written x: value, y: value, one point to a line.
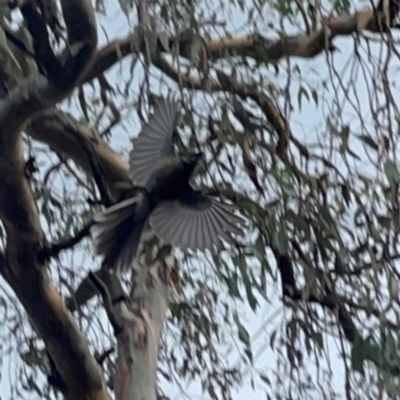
x: 191, y: 159
x: 190, y: 162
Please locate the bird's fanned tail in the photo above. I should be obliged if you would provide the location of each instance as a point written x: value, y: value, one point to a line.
x: 116, y: 232
x: 204, y: 224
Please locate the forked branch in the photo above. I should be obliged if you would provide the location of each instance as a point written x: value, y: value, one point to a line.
x: 25, y: 273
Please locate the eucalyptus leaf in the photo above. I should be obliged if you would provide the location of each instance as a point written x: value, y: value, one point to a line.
x: 369, y: 141
x: 242, y: 331
x: 359, y: 353
x: 392, y: 172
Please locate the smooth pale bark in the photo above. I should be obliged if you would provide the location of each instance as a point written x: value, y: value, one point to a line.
x: 24, y: 269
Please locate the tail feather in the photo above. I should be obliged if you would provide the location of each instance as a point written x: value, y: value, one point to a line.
x: 116, y: 232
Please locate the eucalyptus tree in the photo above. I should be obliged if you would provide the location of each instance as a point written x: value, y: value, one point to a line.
x: 294, y: 105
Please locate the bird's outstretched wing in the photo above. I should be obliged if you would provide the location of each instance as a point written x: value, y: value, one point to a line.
x: 153, y: 142
x: 196, y: 222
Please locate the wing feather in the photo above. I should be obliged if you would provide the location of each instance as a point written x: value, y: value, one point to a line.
x: 153, y: 142
x: 211, y: 239
x: 200, y: 226
x: 227, y: 220
x: 216, y: 231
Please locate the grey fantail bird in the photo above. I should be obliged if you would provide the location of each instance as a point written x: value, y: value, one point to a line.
x: 179, y: 215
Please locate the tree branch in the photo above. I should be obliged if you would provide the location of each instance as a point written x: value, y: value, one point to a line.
x: 2, y: 260
x: 107, y: 301
x: 24, y: 272
x: 56, y: 248
x: 82, y: 37
x: 87, y: 290
x: 65, y: 135
x: 327, y: 298
x: 258, y: 47
x: 51, y: 127
x: 44, y: 54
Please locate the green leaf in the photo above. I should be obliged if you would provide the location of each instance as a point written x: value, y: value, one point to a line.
x: 355, y: 155
x: 243, y: 335
x: 345, y: 193
x: 232, y: 284
x: 279, y: 241
x: 376, y: 355
x: 224, y: 80
x: 164, y: 40
x: 369, y: 141
x: 179, y: 309
x: 282, y: 6
x: 391, y: 172
x: 3, y: 39
x: 344, y: 137
x: 247, y: 283
x: 390, y: 342
x: 259, y: 248
x: 385, y: 222
x: 126, y: 6
x: 302, y: 92
x: 342, y: 6
x: 76, y: 47
x: 5, y: 10
x: 359, y: 353
x: 314, y: 94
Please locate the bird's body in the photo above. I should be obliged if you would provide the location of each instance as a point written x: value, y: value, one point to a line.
x: 177, y: 213
x: 170, y: 179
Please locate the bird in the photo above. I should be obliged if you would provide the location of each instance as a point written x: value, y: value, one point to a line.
x: 177, y: 213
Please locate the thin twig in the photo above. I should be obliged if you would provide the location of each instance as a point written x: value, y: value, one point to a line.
x: 54, y: 249
x: 105, y: 294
